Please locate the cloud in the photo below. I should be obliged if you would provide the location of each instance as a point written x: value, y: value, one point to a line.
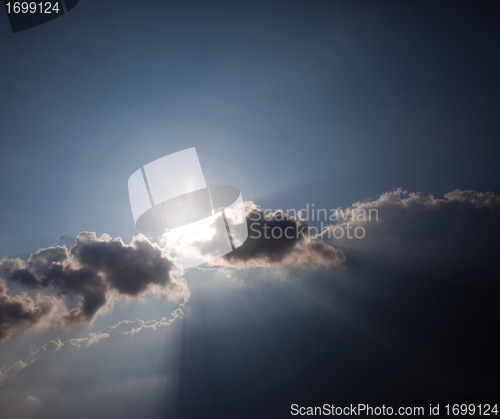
x: 125, y: 327
x: 80, y: 281
x: 456, y: 232
x: 279, y: 240
x: 20, y: 313
x: 88, y: 340
x: 14, y: 369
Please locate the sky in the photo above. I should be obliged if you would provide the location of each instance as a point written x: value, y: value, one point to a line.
x: 384, y: 106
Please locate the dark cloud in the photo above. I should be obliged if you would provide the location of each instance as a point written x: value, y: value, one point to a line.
x: 130, y: 269
x: 20, y: 312
x: 278, y: 240
x: 85, y: 277
x: 454, y: 233
x: 14, y: 270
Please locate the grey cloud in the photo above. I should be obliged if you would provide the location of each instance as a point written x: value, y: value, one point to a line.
x: 89, y: 273
x: 20, y: 312
x: 280, y: 240
x: 130, y: 269
x: 456, y: 232
x: 8, y: 266
x: 14, y: 269
x: 407, y: 229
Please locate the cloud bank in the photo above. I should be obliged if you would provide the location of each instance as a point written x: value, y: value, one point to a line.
x: 453, y: 234
x: 456, y: 233
x: 398, y: 228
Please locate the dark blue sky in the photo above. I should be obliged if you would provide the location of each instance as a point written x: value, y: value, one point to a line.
x: 295, y: 102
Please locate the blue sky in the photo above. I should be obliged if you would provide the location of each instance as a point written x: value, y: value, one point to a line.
x: 296, y: 102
